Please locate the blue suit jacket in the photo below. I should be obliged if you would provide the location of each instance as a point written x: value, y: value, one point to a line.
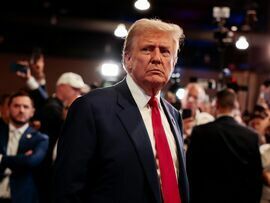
x: 23, y: 189
x: 105, y: 154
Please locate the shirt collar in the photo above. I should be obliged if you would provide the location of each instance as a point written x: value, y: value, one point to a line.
x: 138, y: 94
x: 224, y: 115
x: 20, y: 130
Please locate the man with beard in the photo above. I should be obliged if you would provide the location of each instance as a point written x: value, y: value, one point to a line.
x: 22, y: 149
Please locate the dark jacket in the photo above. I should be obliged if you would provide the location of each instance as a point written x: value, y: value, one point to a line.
x: 105, y: 154
x: 224, y: 164
x: 22, y: 184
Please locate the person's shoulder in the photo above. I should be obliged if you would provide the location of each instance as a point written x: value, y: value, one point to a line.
x: 203, y: 118
x: 98, y: 98
x: 37, y: 134
x: 208, y: 126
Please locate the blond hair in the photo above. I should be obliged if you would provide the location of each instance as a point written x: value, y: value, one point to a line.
x: 144, y: 24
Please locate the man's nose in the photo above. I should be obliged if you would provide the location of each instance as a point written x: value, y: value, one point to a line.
x: 21, y: 108
x: 156, y: 56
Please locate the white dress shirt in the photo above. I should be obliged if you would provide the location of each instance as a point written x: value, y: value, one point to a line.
x: 14, y: 137
x: 142, y: 100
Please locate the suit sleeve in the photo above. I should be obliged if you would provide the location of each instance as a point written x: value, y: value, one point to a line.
x: 75, y: 152
x: 22, y: 161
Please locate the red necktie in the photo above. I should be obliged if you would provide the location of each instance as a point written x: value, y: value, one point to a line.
x: 169, y: 184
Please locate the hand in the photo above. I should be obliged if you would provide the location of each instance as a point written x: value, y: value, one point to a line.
x: 28, y: 153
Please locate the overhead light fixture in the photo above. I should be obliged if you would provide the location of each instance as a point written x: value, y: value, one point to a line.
x: 242, y: 43
x: 221, y: 12
x: 120, y: 31
x: 142, y: 5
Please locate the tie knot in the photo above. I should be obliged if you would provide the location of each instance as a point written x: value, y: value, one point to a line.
x: 153, y: 102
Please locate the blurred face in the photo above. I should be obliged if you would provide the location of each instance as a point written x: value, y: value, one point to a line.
x: 151, y: 60
x: 192, y: 99
x: 21, y: 110
x: 66, y: 93
x: 260, y: 124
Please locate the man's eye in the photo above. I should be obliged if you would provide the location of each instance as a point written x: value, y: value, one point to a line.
x: 165, y: 52
x: 146, y: 49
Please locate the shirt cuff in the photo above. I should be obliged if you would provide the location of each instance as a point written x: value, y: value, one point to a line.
x: 42, y: 81
x: 32, y: 84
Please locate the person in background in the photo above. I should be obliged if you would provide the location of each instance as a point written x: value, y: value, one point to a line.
x: 22, y: 149
x: 264, y: 94
x: 260, y: 122
x: 52, y: 116
x: 223, y: 158
x: 124, y: 143
x: 50, y: 111
x: 192, y: 106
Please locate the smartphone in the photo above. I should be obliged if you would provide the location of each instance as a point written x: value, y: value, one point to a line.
x: 14, y: 67
x: 186, y: 113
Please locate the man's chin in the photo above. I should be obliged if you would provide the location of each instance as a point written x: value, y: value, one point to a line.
x: 157, y: 81
x: 19, y: 122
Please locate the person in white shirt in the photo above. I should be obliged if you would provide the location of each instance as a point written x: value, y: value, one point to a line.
x: 22, y: 149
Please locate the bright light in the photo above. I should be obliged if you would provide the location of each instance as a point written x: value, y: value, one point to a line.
x: 120, y: 31
x: 142, y: 5
x: 242, y: 43
x: 110, y: 69
x: 221, y: 12
x: 180, y: 93
x: 234, y: 28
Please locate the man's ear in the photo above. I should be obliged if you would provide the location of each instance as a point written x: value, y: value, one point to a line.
x: 127, y: 62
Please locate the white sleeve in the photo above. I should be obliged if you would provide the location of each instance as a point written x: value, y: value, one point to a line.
x: 32, y: 84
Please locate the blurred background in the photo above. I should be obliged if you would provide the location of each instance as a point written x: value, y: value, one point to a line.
x: 227, y: 42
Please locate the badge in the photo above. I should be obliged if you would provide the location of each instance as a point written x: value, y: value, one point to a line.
x: 29, y: 136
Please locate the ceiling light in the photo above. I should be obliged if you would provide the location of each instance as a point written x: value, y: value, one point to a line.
x: 142, y: 5
x: 242, y: 43
x: 120, y: 31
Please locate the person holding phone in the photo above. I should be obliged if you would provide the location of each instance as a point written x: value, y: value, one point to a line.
x: 192, y: 113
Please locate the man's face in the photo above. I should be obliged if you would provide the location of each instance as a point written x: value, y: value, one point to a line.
x: 192, y: 100
x: 151, y: 60
x: 21, y: 110
x: 65, y: 92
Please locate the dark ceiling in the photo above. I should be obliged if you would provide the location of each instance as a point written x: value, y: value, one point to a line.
x: 85, y: 28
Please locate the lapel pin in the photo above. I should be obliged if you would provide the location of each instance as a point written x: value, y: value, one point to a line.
x: 29, y: 136
x: 173, y: 121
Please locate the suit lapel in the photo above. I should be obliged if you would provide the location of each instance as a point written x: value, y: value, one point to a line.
x: 172, y: 122
x: 136, y: 130
x: 26, y: 137
x: 182, y: 178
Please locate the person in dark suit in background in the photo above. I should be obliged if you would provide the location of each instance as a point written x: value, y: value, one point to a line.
x: 22, y: 148
x: 223, y: 159
x: 108, y: 150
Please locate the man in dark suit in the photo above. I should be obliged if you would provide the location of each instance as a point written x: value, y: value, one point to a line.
x: 223, y: 159
x: 108, y: 150
x: 22, y: 149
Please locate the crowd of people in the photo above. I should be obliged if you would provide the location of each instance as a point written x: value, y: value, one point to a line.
x: 125, y: 143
